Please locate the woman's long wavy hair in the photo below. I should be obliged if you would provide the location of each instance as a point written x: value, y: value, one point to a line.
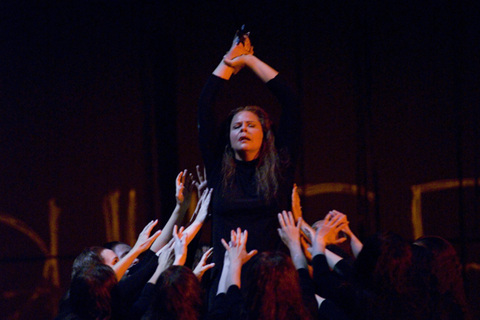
x: 178, y: 295
x: 273, y: 289
x: 447, y: 272
x: 91, y: 291
x: 267, y: 172
x: 89, y: 257
x: 384, y: 263
x: 383, y: 268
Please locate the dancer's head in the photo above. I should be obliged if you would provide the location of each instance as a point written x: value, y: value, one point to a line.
x: 91, y: 291
x: 384, y: 263
x: 178, y: 295
x: 121, y: 249
x: 250, y: 136
x: 273, y: 290
x: 94, y: 255
x: 250, y: 133
x: 445, y: 266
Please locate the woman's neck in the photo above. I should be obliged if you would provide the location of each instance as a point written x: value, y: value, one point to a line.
x: 246, y: 156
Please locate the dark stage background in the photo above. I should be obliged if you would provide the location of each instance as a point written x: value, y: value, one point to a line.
x: 98, y: 115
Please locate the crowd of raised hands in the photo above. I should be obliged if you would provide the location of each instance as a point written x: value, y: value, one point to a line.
x: 387, y: 278
x: 170, y: 243
x: 384, y: 278
x: 135, y: 270
x: 276, y: 270
x: 128, y: 285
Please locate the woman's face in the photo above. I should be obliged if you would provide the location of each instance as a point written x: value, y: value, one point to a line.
x: 121, y: 250
x: 109, y: 257
x: 246, y: 135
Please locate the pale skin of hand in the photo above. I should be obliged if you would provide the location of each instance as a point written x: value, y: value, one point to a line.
x: 165, y: 260
x: 222, y: 284
x: 180, y: 246
x: 237, y: 49
x: 239, y: 56
x: 290, y: 235
x: 288, y: 231
x: 307, y: 231
x: 335, y: 216
x: 327, y: 234
x: 201, y: 183
x: 355, y: 243
x: 183, y: 191
x: 200, y: 214
x: 260, y: 68
x: 332, y: 258
x: 238, y: 256
x: 144, y: 242
x: 223, y: 277
x: 202, y: 265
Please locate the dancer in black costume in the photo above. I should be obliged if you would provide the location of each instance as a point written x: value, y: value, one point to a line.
x: 250, y: 168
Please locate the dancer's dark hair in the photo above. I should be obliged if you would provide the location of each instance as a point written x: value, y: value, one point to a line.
x: 91, y: 291
x: 273, y: 289
x: 112, y: 244
x: 90, y: 256
x: 178, y: 296
x: 267, y: 172
x: 445, y: 266
x: 384, y: 271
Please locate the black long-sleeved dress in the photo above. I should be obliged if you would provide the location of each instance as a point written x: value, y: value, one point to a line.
x: 240, y: 205
x: 231, y: 305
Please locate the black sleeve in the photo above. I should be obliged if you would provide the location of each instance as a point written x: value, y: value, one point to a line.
x: 131, y: 287
x: 144, y: 259
x: 288, y: 132
x: 330, y: 311
x: 331, y: 287
x: 308, y: 291
x: 228, y: 306
x: 344, y: 269
x: 207, y: 131
x: 143, y: 302
x: 65, y: 307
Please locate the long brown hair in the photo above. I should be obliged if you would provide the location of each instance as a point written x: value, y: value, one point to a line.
x: 178, y: 295
x: 273, y: 289
x: 90, y: 256
x: 446, y: 269
x: 267, y: 172
x: 91, y: 291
